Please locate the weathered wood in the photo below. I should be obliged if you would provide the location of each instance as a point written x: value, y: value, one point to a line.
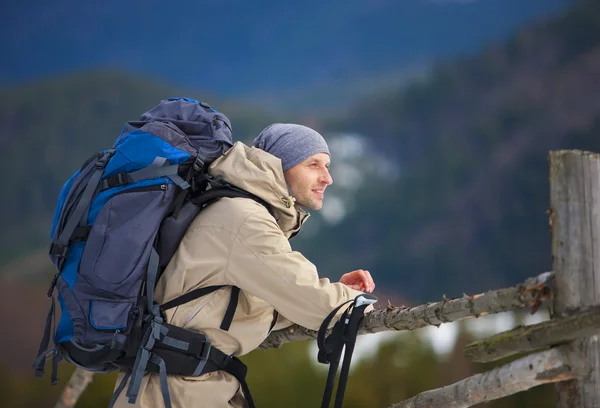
x: 535, y: 337
x: 575, y: 225
x: 530, y: 371
x: 77, y: 384
x: 525, y: 294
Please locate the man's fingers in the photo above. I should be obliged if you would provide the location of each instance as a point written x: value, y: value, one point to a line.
x: 359, y: 279
x: 371, y: 283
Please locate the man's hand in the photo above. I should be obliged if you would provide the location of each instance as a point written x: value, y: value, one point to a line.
x: 359, y: 280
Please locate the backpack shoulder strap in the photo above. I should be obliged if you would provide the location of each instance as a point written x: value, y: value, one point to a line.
x: 195, y: 294
x: 226, y: 190
x: 206, y: 198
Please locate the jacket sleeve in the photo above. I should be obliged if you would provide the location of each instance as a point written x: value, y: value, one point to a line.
x: 263, y: 263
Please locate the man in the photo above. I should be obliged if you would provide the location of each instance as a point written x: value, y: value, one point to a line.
x: 238, y: 242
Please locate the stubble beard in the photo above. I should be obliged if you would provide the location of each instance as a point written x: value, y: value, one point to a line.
x: 310, y: 203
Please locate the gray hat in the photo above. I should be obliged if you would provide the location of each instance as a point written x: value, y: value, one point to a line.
x: 291, y: 143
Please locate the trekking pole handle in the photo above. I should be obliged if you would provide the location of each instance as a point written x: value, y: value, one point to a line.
x: 364, y: 300
x: 355, y: 317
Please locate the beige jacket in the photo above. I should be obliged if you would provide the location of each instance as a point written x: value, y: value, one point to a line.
x: 236, y: 241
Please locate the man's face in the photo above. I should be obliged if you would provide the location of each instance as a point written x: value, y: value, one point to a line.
x: 307, y: 181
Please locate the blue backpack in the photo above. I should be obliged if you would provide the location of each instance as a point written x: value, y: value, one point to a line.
x: 118, y: 222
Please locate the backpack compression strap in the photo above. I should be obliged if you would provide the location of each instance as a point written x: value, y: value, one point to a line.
x: 343, y: 334
x: 60, y: 247
x: 160, y: 167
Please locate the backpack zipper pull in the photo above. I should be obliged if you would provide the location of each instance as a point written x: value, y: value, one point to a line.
x: 163, y: 187
x: 113, y: 343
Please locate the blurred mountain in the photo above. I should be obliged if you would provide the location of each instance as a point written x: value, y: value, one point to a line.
x: 237, y: 47
x: 468, y: 212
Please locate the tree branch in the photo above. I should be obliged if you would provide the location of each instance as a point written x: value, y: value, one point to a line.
x: 536, y: 369
x: 535, y: 337
x: 528, y: 293
x: 77, y: 384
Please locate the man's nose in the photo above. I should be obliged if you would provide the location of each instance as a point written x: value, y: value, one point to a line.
x: 326, y: 178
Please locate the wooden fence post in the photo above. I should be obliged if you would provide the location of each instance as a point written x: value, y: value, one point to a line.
x: 575, y: 225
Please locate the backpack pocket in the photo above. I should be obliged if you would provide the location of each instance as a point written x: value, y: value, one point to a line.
x: 107, y: 315
x: 118, y: 247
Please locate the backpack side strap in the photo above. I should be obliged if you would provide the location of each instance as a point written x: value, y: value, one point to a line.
x: 160, y: 167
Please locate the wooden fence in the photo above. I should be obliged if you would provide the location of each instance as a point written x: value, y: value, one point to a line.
x: 564, y: 350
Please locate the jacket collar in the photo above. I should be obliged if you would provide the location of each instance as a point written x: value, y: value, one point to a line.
x: 261, y: 174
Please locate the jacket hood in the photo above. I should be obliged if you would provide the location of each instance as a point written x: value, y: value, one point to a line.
x: 261, y: 174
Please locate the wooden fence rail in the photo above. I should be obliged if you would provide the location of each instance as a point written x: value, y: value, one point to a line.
x: 566, y: 349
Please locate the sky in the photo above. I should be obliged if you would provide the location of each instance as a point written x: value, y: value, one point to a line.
x: 235, y: 47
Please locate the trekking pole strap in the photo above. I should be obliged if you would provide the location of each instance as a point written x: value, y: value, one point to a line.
x: 336, y: 334
x: 343, y: 334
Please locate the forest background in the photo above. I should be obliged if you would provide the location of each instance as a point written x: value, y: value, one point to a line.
x: 439, y: 113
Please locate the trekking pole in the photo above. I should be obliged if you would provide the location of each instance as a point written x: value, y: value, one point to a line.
x: 335, y: 361
x: 344, y: 333
x: 350, y: 334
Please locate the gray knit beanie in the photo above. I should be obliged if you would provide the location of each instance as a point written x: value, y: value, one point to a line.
x: 291, y: 143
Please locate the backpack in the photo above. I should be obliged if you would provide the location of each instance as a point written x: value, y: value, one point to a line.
x: 118, y: 222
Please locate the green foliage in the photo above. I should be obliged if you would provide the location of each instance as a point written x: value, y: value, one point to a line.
x: 398, y: 370
x: 285, y: 377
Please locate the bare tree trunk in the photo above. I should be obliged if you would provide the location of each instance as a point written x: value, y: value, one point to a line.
x: 520, y: 375
x: 575, y: 223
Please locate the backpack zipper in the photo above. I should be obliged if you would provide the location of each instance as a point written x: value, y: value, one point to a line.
x: 154, y: 187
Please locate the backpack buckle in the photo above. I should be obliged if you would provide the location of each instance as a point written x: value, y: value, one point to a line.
x: 198, y: 164
x: 204, y: 353
x: 102, y: 161
x: 203, y: 357
x: 59, y: 250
